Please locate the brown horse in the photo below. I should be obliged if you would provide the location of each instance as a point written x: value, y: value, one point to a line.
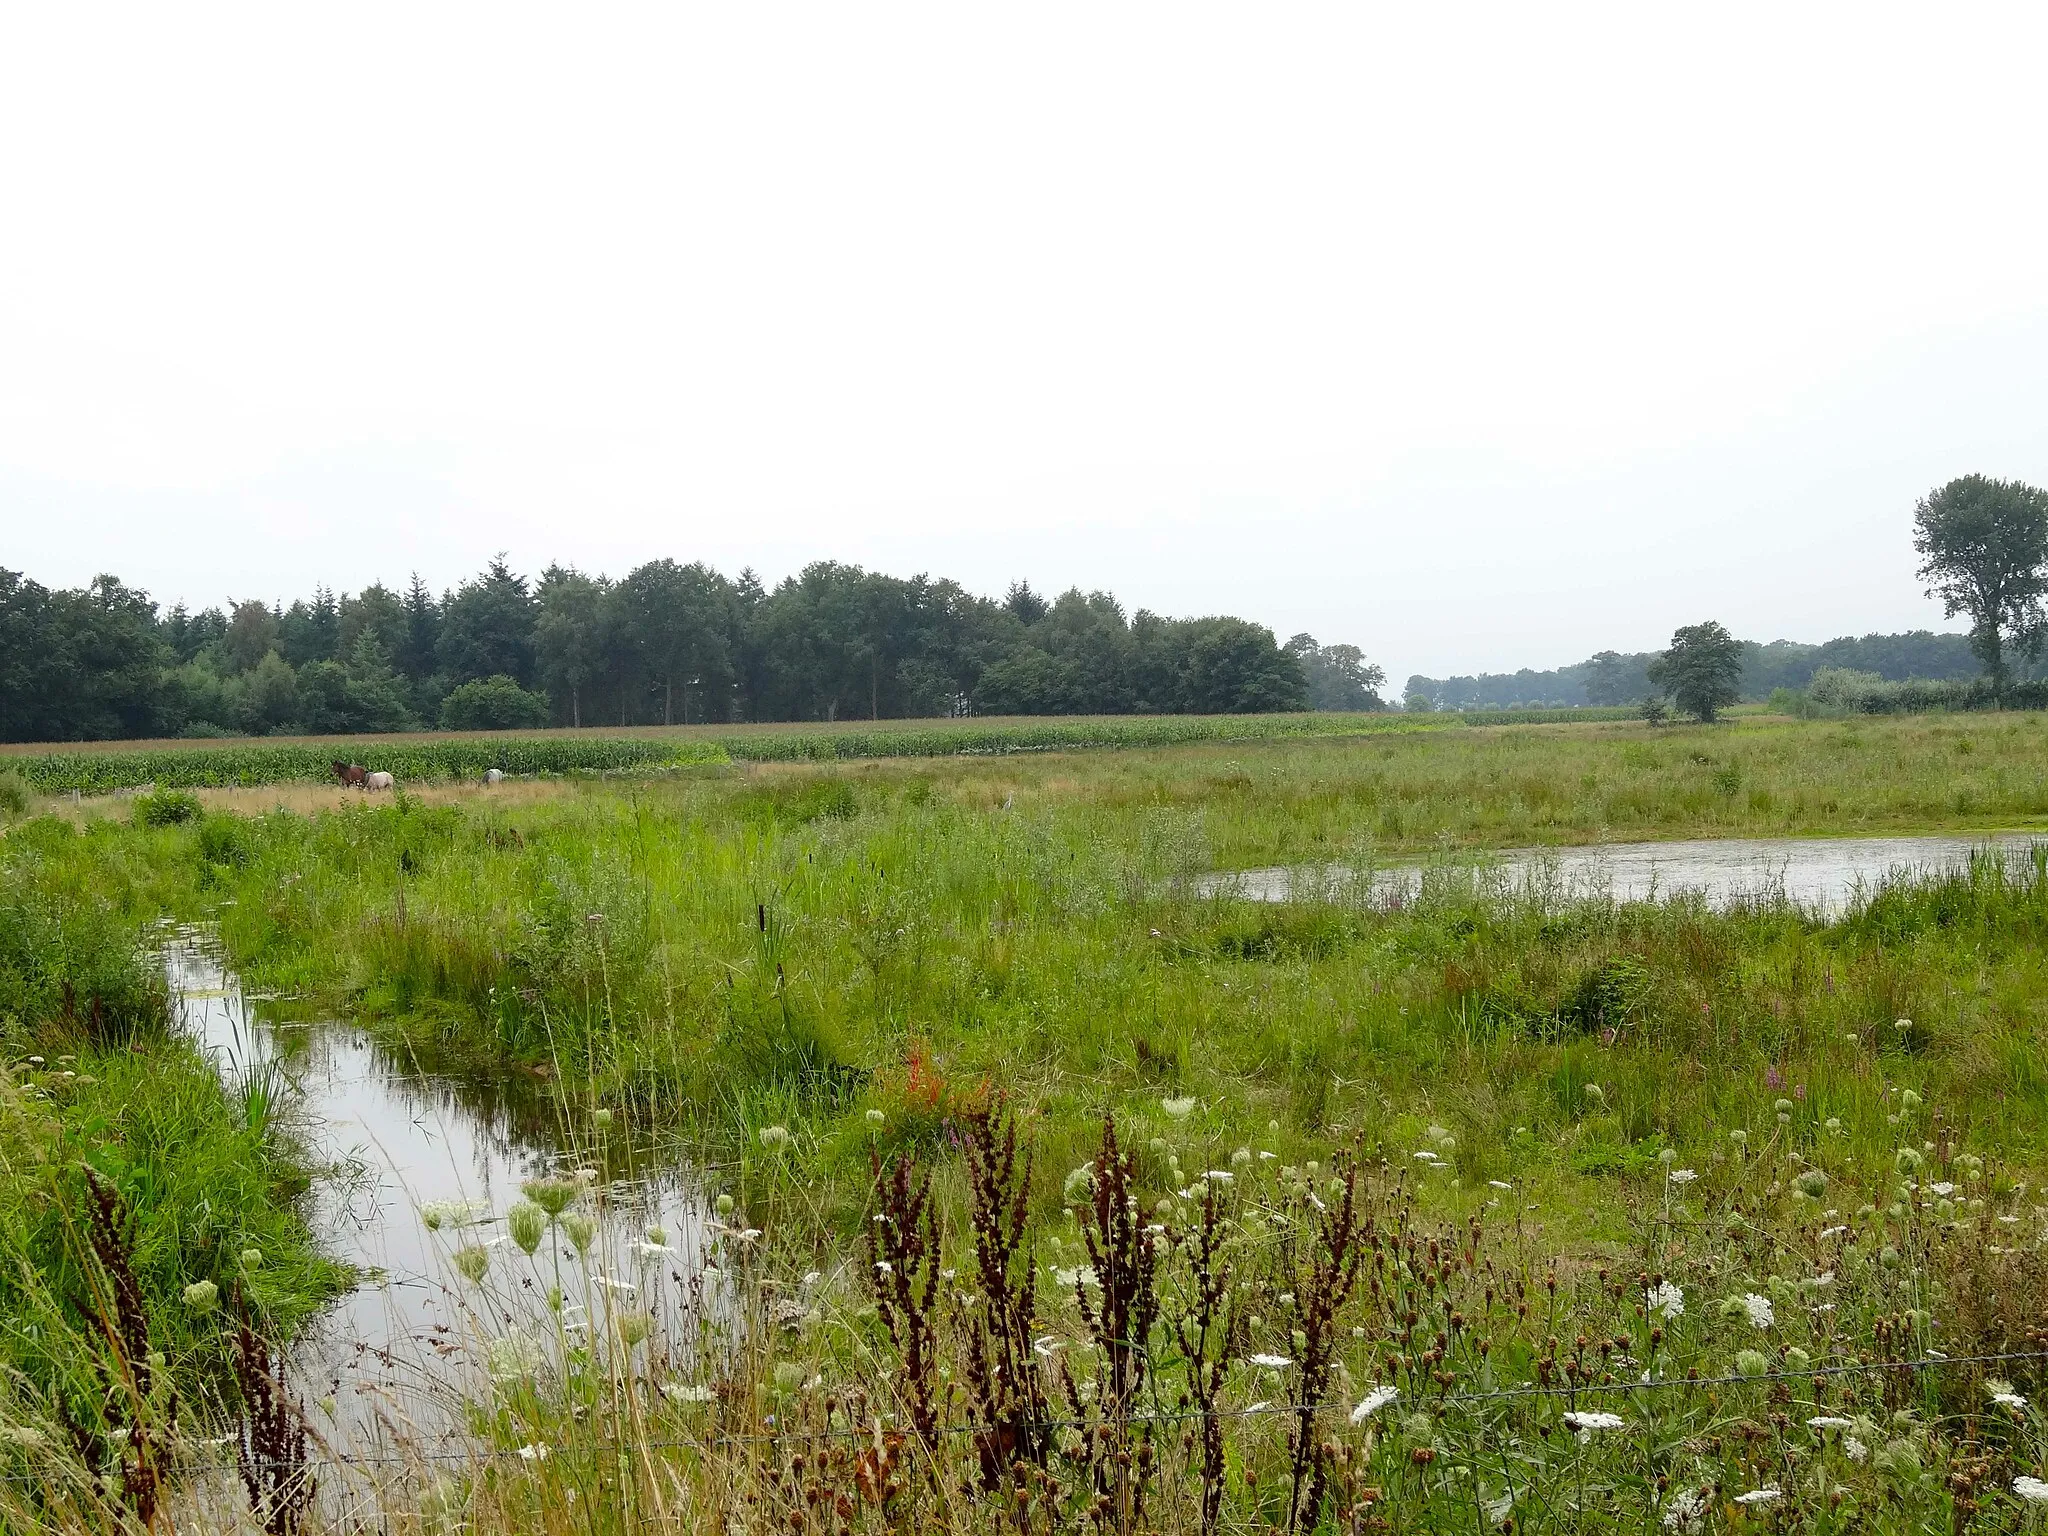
x: 351, y: 774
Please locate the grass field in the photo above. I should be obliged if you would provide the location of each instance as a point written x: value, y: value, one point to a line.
x: 1778, y: 1155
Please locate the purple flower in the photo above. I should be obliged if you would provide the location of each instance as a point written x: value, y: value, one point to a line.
x: 1773, y: 1078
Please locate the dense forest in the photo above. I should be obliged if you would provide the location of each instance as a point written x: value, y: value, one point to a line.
x: 668, y: 643
x: 1612, y: 677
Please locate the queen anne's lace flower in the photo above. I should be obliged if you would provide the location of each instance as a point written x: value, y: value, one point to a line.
x: 1666, y: 1300
x: 1759, y: 1310
x: 1763, y: 1495
x: 1372, y: 1403
x: 2032, y: 1489
x: 1686, y: 1512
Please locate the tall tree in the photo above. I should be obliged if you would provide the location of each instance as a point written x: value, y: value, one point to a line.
x: 419, y: 645
x: 1702, y: 670
x: 1983, y: 546
x: 680, y: 623
x: 569, y: 639
x: 252, y: 634
x: 1339, y: 676
x: 487, y: 628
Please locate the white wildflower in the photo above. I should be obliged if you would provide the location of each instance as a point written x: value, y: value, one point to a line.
x: 1686, y: 1512
x: 1179, y: 1109
x: 1828, y: 1232
x: 1764, y: 1495
x: 1667, y: 1300
x: 2032, y: 1489
x: 1829, y: 1421
x: 1855, y: 1449
x: 2013, y: 1400
x: 1372, y: 1403
x: 1759, y: 1310
x: 1586, y: 1423
x: 533, y: 1453
x: 1681, y: 1176
x: 513, y: 1357
x: 1271, y: 1362
x: 1045, y: 1346
x: 1500, y: 1184
x: 676, y: 1392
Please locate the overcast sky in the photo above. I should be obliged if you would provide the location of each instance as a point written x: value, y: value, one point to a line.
x: 1478, y: 337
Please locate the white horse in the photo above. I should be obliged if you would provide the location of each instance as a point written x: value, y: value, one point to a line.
x: 494, y: 776
x: 379, y: 781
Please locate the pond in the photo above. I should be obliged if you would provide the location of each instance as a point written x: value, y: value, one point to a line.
x: 1822, y: 875
x: 392, y: 1361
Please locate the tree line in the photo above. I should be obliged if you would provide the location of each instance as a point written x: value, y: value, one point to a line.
x: 666, y: 644
x: 1983, y: 547
x: 1622, y: 677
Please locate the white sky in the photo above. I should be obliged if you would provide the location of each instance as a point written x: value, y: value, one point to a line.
x: 1478, y: 337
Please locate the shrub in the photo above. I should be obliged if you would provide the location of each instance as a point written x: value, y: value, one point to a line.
x: 15, y: 795
x: 493, y: 704
x: 167, y: 808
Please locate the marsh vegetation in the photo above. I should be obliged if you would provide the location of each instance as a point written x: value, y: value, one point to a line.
x: 1038, y: 1183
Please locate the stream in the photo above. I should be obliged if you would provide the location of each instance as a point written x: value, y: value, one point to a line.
x: 392, y: 1360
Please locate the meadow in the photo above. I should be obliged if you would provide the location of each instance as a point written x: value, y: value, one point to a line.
x: 1464, y: 1212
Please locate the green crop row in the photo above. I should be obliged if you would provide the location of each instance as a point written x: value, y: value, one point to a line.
x: 464, y: 755
x: 452, y: 757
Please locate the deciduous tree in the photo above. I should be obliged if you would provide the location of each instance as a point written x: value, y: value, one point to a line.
x: 1983, y: 547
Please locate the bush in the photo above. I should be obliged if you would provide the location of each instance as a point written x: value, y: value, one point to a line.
x: 167, y: 808
x: 494, y: 704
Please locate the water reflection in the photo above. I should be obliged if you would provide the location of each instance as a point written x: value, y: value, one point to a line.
x: 1818, y: 875
x: 395, y: 1356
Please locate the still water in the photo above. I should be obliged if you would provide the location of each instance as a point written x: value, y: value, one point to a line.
x: 1818, y: 874
x: 391, y: 1361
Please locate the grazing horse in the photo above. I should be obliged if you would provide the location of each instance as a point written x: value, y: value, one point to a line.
x: 350, y: 774
x: 494, y: 776
x: 378, y: 781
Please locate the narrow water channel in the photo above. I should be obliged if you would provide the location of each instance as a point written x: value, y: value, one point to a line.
x: 1822, y: 875
x: 420, y: 1166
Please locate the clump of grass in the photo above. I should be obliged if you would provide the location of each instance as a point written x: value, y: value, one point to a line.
x: 167, y: 808
x: 16, y: 797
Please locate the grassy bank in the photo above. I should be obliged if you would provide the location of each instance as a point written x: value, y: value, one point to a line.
x: 129, y: 1172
